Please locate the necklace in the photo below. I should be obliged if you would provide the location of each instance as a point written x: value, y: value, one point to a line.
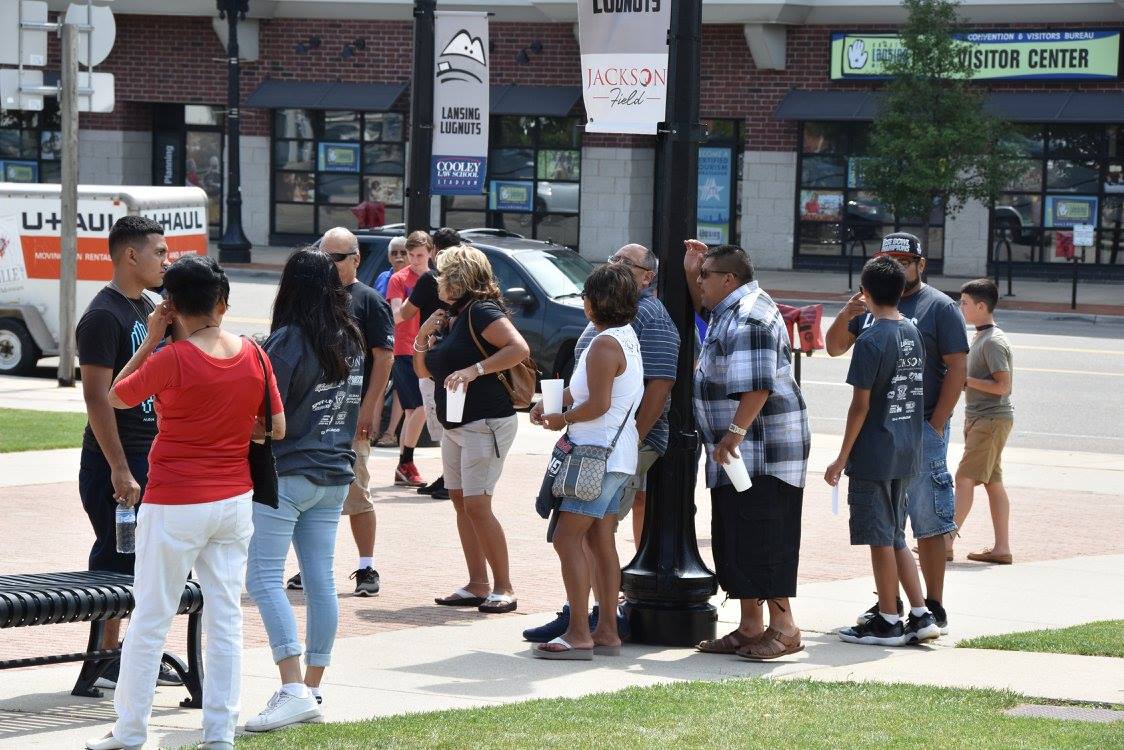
x: 197, y: 330
x: 141, y: 315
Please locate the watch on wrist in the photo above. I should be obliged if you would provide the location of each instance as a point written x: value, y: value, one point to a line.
x: 736, y: 430
x: 479, y: 368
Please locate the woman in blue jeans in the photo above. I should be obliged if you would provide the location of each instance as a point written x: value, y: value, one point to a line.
x: 317, y: 355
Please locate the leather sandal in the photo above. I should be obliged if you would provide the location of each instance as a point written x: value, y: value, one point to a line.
x: 727, y: 644
x: 772, y: 644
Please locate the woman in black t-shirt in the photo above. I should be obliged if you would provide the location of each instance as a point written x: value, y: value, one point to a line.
x: 479, y: 341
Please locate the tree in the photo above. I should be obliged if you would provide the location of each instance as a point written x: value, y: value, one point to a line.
x: 933, y: 145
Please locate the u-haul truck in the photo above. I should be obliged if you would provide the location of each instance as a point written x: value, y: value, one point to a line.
x: 30, y: 226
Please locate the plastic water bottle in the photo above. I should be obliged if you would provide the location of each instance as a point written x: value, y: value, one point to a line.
x: 126, y: 530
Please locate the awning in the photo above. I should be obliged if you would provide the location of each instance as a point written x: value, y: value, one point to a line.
x: 546, y: 101
x: 1055, y: 106
x: 364, y: 97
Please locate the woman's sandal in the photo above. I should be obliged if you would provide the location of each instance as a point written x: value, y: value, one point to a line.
x: 498, y: 604
x: 727, y: 644
x: 567, y: 653
x: 772, y: 644
x: 461, y: 598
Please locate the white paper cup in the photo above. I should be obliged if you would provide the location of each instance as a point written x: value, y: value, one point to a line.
x: 454, y: 403
x: 552, y: 396
x: 739, y: 475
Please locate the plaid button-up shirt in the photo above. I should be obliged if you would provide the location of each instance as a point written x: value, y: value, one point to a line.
x: 747, y: 349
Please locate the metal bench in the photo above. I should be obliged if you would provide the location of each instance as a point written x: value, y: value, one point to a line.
x: 94, y: 597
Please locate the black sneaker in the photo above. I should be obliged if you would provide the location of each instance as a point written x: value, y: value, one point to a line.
x: 295, y: 583
x: 921, y: 629
x: 168, y: 677
x: 875, y: 632
x: 866, y: 617
x: 436, y: 485
x: 440, y: 493
x: 108, y: 681
x: 366, y: 581
x: 939, y: 615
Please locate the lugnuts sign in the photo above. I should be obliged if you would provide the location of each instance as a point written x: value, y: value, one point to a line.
x: 460, y: 104
x: 624, y: 64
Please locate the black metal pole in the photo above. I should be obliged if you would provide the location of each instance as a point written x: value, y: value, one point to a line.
x: 667, y: 585
x: 233, y: 247
x: 1010, y: 262
x: 421, y: 118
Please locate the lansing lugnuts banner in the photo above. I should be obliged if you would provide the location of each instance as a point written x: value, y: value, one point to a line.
x: 460, y: 104
x: 624, y: 64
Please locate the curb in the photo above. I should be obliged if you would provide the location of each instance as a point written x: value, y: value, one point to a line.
x: 1062, y: 317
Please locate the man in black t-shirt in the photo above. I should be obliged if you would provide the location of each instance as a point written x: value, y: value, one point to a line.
x: 373, y: 315
x: 423, y: 302
x: 115, y: 445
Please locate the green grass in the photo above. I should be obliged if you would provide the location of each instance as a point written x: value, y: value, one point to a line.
x: 25, y: 430
x: 1104, y: 638
x: 740, y: 713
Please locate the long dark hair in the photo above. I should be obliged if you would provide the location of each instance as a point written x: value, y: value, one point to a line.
x: 312, y: 298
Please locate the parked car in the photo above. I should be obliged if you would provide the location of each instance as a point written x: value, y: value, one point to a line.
x: 541, y: 284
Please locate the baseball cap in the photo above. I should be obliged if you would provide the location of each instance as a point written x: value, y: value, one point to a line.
x: 901, y: 243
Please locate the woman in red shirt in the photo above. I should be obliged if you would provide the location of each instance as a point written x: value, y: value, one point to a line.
x: 209, y: 386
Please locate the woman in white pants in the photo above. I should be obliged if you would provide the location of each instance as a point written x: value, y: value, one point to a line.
x: 208, y: 387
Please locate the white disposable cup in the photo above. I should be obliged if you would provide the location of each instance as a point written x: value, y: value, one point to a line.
x: 454, y: 403
x: 739, y: 475
x: 552, y: 396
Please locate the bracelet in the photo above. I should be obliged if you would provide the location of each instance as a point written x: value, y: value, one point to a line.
x: 418, y: 349
x: 479, y: 368
x: 736, y: 430
x: 565, y: 419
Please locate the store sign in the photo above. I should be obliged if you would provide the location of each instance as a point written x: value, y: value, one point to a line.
x: 460, y: 104
x: 511, y: 195
x: 994, y: 55
x: 715, y: 186
x: 339, y: 157
x: 1066, y: 212
x: 624, y: 64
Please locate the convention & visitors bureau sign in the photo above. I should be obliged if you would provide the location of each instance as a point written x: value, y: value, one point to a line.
x: 460, y: 104
x: 1009, y: 55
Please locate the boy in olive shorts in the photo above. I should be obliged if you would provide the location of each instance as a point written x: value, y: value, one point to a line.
x: 988, y: 418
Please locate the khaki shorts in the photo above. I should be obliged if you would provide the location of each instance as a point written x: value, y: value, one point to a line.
x: 639, y: 480
x: 426, y: 386
x: 984, y: 439
x: 472, y: 455
x: 358, y: 496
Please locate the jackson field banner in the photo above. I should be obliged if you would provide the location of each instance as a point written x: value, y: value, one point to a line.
x: 624, y: 64
x: 460, y: 104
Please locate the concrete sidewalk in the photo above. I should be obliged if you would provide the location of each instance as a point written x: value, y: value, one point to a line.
x: 487, y: 663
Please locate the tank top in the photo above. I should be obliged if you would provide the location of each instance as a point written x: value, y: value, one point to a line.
x: 628, y: 389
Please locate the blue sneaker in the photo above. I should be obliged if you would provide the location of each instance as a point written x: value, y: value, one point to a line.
x: 624, y: 630
x: 556, y: 627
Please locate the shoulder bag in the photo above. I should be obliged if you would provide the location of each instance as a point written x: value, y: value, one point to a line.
x: 263, y: 465
x: 582, y: 474
x: 520, y: 381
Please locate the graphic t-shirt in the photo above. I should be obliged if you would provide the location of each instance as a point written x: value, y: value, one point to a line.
x: 401, y: 284
x: 109, y: 334
x: 320, y: 416
x: 376, y: 323
x: 889, y: 361
x: 941, y: 326
x: 205, y: 408
x: 425, y: 297
x: 990, y: 352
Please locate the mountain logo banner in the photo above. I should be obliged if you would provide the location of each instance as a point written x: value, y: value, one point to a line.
x: 1008, y: 55
x: 460, y: 104
x: 624, y: 64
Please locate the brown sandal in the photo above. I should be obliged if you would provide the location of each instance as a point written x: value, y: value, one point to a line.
x: 727, y: 644
x: 989, y: 556
x: 772, y: 644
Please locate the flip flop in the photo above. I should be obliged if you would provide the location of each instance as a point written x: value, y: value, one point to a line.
x: 568, y: 654
x: 498, y: 604
x: 461, y: 598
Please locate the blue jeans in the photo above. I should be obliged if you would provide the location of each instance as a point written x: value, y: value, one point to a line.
x: 931, y: 498
x: 307, y: 515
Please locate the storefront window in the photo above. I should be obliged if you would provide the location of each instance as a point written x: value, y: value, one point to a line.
x: 188, y: 150
x: 30, y: 144
x: 325, y: 163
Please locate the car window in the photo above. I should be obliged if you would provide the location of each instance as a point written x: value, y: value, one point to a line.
x: 506, y: 275
x: 560, y: 275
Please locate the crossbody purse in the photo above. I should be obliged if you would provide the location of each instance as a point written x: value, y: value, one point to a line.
x: 582, y: 475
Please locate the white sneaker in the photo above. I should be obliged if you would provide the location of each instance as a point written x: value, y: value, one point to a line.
x: 285, y: 709
x: 109, y: 742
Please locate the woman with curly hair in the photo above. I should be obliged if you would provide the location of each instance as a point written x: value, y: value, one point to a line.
x: 479, y: 341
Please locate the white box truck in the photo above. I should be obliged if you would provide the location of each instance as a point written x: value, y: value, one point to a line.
x: 30, y: 224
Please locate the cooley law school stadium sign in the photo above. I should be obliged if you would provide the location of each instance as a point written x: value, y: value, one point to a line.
x: 994, y: 55
x: 460, y: 104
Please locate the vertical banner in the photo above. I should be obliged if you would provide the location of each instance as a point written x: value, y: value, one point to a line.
x: 624, y: 64
x: 716, y: 169
x: 460, y: 104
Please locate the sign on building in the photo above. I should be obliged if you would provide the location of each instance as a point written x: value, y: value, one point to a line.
x: 460, y: 104
x: 624, y: 64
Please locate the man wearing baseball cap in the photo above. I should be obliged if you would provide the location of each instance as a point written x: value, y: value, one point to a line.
x: 930, y: 499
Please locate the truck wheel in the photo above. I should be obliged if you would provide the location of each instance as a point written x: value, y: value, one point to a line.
x: 18, y: 352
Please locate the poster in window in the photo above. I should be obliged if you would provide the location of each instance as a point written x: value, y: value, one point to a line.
x: 383, y: 189
x: 51, y: 141
x: 20, y: 171
x: 1114, y: 178
x: 821, y: 205
x: 511, y: 195
x: 715, y: 172
x: 296, y: 187
x: 1064, y: 211
x: 338, y: 157
x: 559, y: 165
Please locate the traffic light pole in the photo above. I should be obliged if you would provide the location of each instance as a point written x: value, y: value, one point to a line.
x: 421, y: 118
x: 233, y: 247
x: 667, y: 585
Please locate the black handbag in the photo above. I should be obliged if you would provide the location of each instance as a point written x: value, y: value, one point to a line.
x: 263, y: 466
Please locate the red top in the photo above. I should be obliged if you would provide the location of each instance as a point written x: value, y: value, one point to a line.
x: 399, y: 287
x: 205, y: 410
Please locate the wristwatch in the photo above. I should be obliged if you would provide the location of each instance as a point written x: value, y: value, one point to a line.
x: 479, y: 368
x: 736, y: 430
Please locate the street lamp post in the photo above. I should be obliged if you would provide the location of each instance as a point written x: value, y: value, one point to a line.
x: 233, y: 247
x: 421, y: 118
x: 667, y: 585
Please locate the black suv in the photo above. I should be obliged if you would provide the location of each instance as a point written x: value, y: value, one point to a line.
x: 541, y: 283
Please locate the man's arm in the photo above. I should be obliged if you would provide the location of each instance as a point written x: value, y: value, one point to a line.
x: 96, y: 381
x: 406, y: 310
x: 999, y: 384
x: 839, y: 337
x: 953, y: 384
x: 651, y: 405
x: 396, y: 306
x: 382, y: 360
x: 749, y: 406
x: 856, y: 415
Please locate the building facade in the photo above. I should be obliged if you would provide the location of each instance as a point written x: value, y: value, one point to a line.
x: 325, y: 126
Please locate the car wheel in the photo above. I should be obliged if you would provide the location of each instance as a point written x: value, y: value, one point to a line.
x: 18, y: 352
x: 567, y: 370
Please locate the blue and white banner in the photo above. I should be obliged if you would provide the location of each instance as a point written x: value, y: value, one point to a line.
x: 460, y: 104
x: 716, y: 168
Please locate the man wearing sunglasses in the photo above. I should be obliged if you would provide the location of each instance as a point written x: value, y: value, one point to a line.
x: 930, y: 499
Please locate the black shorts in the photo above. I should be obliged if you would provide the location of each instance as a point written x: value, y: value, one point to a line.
x: 877, y: 511
x: 406, y: 382
x: 755, y: 538
x: 95, y: 487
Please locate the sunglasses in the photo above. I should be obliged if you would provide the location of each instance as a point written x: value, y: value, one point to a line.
x: 706, y: 273
x: 396, y: 253
x: 626, y: 262
x: 338, y: 257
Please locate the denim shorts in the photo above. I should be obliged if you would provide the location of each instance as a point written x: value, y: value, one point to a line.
x: 608, y: 504
x: 877, y: 512
x: 930, y: 498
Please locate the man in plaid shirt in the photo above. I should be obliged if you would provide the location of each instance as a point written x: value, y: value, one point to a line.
x: 749, y: 409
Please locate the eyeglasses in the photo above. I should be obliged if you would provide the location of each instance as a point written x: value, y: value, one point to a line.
x: 626, y: 262
x: 583, y: 294
x: 338, y: 257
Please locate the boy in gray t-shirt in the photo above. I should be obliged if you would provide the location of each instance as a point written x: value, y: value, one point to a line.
x: 988, y: 418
